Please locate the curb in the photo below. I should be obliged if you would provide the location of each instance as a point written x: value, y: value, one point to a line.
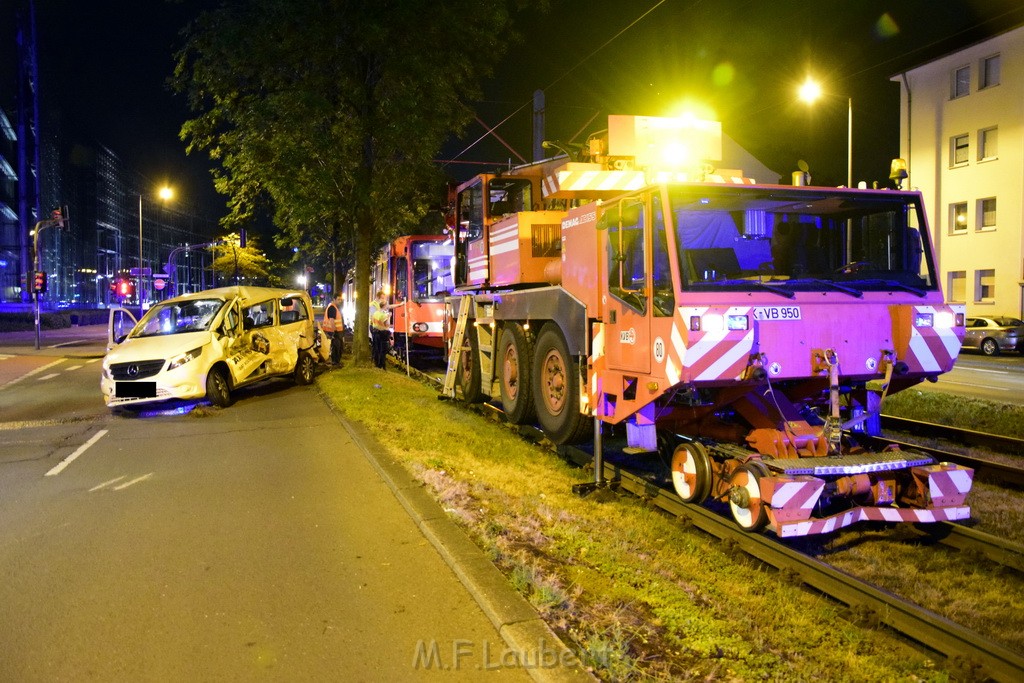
x: 518, y: 623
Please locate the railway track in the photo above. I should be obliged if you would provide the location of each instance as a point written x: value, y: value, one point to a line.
x: 933, y: 631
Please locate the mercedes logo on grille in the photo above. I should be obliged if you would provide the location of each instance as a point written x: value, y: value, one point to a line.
x: 133, y: 370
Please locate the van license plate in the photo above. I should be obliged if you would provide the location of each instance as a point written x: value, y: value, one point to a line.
x: 135, y: 390
x: 768, y: 313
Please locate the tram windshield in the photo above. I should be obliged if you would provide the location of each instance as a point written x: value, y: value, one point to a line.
x: 432, y: 269
x: 800, y: 240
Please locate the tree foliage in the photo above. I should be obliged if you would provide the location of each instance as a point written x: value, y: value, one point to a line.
x: 333, y: 110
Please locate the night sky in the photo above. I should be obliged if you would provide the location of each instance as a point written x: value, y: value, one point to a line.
x: 106, y: 62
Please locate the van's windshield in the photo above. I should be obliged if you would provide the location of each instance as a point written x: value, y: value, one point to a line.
x: 194, y: 315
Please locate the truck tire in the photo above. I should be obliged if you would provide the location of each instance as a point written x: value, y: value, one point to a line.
x: 515, y: 353
x: 469, y: 369
x: 556, y: 390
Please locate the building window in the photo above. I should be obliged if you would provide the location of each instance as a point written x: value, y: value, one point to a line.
x: 989, y: 72
x: 959, y: 146
x: 987, y: 213
x: 958, y: 217
x: 985, y: 285
x: 988, y: 144
x: 956, y: 290
x: 961, y: 82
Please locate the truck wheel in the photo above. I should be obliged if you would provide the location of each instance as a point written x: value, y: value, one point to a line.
x: 305, y: 368
x: 749, y: 511
x: 556, y: 394
x: 218, y: 391
x: 469, y: 369
x: 514, y: 354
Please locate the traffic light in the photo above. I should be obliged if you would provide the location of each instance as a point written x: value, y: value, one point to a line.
x: 38, y: 281
x: 122, y: 288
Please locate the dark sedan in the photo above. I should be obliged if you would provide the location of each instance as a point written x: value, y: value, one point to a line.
x: 994, y: 335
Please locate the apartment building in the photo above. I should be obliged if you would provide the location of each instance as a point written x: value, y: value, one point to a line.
x: 962, y: 135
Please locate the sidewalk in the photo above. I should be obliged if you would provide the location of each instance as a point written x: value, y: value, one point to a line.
x: 88, y: 341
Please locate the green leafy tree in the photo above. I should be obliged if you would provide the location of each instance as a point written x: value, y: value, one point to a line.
x: 334, y: 110
x: 233, y: 263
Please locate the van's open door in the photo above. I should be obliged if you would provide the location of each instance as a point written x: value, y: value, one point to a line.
x: 119, y: 324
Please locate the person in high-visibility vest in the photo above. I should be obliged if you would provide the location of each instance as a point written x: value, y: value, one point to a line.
x: 334, y: 327
x: 380, y: 320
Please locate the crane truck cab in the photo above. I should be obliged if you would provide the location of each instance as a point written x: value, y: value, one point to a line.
x: 207, y: 344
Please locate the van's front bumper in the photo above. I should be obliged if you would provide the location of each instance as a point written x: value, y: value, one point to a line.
x: 142, y: 392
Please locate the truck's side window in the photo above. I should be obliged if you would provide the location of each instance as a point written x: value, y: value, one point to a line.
x: 627, y: 271
x: 664, y: 299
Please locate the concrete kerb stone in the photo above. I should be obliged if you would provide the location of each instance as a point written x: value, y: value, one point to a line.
x: 538, y: 649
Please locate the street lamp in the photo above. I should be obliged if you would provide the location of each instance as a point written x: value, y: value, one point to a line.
x: 165, y: 193
x: 809, y: 92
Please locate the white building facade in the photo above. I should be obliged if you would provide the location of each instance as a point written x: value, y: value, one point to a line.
x: 962, y: 135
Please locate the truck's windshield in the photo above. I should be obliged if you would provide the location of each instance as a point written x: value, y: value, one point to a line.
x: 166, y: 318
x: 817, y: 240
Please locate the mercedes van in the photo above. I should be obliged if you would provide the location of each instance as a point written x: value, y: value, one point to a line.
x: 207, y: 344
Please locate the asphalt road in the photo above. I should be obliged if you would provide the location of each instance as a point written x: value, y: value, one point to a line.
x: 255, y: 542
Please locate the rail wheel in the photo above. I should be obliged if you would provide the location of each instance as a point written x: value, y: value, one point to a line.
x: 218, y: 390
x: 305, y: 368
x: 691, y: 472
x: 556, y: 390
x: 745, y: 497
x: 469, y: 368
x: 514, y: 354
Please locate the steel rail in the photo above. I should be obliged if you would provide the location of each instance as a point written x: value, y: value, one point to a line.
x: 1002, y: 552
x: 931, y: 630
x: 995, y: 472
x: 965, y: 437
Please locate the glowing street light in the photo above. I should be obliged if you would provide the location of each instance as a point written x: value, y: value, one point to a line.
x: 810, y: 91
x: 165, y: 193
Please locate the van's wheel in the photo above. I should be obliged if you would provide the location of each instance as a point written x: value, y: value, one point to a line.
x: 218, y: 391
x: 305, y: 368
x: 469, y: 368
x: 749, y: 511
x: 556, y: 389
x: 691, y: 472
x: 514, y: 354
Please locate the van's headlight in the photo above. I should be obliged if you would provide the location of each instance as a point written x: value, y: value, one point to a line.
x: 183, y: 358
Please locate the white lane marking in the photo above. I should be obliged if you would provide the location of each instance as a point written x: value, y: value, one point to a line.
x: 92, y: 360
x: 46, y: 377
x: 976, y: 386
x: 57, y: 469
x: 30, y: 373
x: 993, y: 372
x: 106, y: 483
x: 73, y: 367
x: 136, y: 480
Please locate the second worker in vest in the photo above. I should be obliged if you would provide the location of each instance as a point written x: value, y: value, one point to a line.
x: 380, y: 320
x: 334, y: 327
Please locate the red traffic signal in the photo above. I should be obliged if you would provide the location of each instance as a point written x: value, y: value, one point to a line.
x: 122, y: 288
x: 38, y: 281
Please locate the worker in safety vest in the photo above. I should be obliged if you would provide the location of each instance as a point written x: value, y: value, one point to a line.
x: 334, y: 327
x: 380, y: 331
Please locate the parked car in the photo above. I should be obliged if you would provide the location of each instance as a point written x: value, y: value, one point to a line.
x: 207, y: 344
x: 994, y: 335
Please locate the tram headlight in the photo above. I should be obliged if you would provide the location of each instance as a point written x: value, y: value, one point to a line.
x: 944, y: 319
x: 924, y: 320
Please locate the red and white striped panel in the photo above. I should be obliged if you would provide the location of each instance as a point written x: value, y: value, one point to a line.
x: 932, y: 349
x: 948, y: 485
x: 707, y: 355
x: 504, y: 238
x: 593, y: 181
x: 791, y: 498
x: 868, y: 514
x: 739, y: 180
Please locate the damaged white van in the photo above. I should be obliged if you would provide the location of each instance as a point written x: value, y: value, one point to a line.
x: 207, y: 344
